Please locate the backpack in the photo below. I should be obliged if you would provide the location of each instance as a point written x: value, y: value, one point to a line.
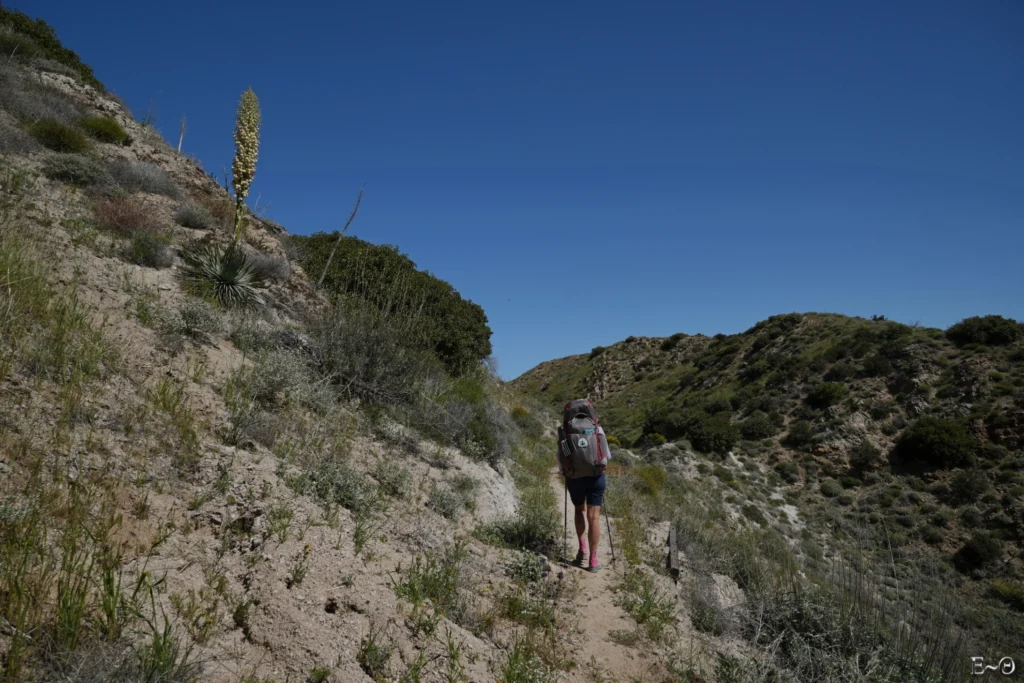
x: 582, y: 452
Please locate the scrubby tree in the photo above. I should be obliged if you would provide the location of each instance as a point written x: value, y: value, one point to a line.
x: 712, y: 433
x: 455, y: 329
x: 864, y: 456
x: 758, y: 426
x: 936, y: 442
x: 799, y: 435
x: 980, y: 550
x: 827, y: 394
x: 991, y: 330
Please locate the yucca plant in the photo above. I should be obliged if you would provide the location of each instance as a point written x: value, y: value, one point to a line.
x: 227, y: 274
x: 247, y: 145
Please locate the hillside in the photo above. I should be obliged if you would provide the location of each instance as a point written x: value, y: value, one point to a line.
x: 900, y: 437
x: 214, y: 469
x: 211, y: 469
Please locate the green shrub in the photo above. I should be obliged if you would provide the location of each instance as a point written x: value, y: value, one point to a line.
x: 827, y: 394
x: 43, y: 35
x: 437, y: 576
x: 967, y: 486
x: 58, y: 137
x: 936, y: 442
x: 789, y: 471
x: 143, y: 176
x: 1010, y: 592
x: 76, y: 169
x: 970, y: 517
x: 831, y: 488
x: 149, y: 249
x: 524, y: 665
x: 753, y: 513
x: 337, y: 484
x: 990, y: 330
x: 374, y: 653
x: 394, y: 480
x: 712, y: 433
x: 931, y: 535
x: 440, y: 320
x: 650, y: 607
x: 980, y: 550
x: 199, y: 320
x: 800, y: 434
x: 194, y: 216
x: 877, y: 365
x: 533, y: 528
x: 653, y: 440
x: 671, y: 342
x: 840, y: 371
x: 597, y: 351
x: 452, y: 500
x: 270, y: 267
x: 757, y: 427
x: 106, y: 129
x: 466, y: 412
x: 17, y: 46
x: 718, y: 404
x: 864, y: 456
x: 363, y: 352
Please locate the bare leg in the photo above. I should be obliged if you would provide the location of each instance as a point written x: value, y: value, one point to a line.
x: 594, y: 522
x: 581, y: 525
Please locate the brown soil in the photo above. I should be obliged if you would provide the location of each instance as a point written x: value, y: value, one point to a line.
x: 600, y: 658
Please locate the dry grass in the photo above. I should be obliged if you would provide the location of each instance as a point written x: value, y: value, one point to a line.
x: 14, y: 140
x: 29, y: 101
x: 124, y: 216
x: 194, y: 216
x: 142, y: 176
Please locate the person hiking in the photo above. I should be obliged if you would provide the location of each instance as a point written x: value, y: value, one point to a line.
x: 583, y: 454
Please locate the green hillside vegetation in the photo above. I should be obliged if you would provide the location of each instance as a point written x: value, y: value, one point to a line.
x: 452, y: 328
x: 239, y: 459
x: 371, y: 390
x: 902, y: 443
x: 35, y: 41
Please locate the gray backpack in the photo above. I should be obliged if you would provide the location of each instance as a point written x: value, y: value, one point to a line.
x: 581, y: 450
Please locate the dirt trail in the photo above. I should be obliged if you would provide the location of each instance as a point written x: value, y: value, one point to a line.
x: 598, y: 617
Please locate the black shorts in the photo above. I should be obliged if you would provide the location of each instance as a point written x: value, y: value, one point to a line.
x: 586, y: 489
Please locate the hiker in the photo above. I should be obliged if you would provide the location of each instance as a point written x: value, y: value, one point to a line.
x: 582, y: 456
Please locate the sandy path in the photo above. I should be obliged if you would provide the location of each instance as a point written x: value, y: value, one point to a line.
x: 597, y: 614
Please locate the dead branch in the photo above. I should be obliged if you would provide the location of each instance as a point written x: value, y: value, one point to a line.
x: 351, y: 218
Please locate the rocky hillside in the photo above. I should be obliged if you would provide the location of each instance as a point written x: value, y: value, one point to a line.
x: 214, y: 469
x: 909, y: 439
x: 209, y: 468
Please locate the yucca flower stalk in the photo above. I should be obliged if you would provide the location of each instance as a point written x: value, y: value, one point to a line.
x: 247, y: 145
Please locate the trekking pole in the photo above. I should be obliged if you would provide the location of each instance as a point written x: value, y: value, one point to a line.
x: 608, y: 523
x: 565, y: 520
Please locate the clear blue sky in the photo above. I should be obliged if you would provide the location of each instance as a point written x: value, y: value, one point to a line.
x: 694, y: 167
